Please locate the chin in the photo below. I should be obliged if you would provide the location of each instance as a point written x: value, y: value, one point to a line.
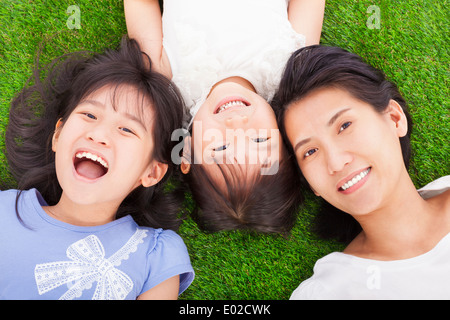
x: 362, y: 208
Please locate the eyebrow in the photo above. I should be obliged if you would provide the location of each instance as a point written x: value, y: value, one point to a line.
x: 329, y: 124
x: 336, y: 116
x: 300, y: 143
x: 127, y: 115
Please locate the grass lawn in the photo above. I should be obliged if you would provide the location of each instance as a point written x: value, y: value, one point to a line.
x: 410, y: 44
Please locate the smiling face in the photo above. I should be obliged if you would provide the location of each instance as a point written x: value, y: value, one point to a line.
x: 236, y: 126
x: 103, y: 150
x: 349, y: 153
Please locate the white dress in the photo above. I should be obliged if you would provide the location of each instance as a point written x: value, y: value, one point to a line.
x: 207, y: 41
x: 342, y: 276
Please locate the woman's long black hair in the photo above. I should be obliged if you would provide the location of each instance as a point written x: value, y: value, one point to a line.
x: 67, y: 80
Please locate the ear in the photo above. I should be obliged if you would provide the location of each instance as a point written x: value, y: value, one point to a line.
x: 315, y: 192
x: 55, y: 137
x: 185, y: 165
x: 398, y: 117
x: 154, y: 173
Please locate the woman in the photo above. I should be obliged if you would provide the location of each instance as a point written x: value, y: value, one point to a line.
x: 349, y: 129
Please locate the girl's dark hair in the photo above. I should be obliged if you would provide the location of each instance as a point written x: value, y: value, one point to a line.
x: 70, y: 78
x: 262, y: 203
x: 315, y: 67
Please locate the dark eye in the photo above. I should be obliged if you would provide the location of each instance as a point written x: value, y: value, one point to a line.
x: 259, y: 140
x: 221, y: 148
x: 345, y: 126
x: 90, y: 115
x: 310, y: 152
x: 127, y: 130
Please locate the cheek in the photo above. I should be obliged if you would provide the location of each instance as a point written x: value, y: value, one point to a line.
x: 266, y: 116
x: 381, y: 144
x: 133, y: 153
x: 202, y: 113
x: 315, y: 177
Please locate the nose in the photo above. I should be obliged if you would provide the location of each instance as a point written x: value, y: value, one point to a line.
x: 337, y: 159
x: 98, y: 135
x: 236, y: 120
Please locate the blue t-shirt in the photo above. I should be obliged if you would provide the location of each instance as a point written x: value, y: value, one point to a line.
x: 44, y: 258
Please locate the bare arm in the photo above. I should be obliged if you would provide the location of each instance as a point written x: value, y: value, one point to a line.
x: 144, y: 24
x: 166, y: 290
x: 306, y: 17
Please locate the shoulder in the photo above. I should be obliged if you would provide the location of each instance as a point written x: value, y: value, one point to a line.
x: 436, y: 187
x: 30, y: 195
x: 157, y: 241
x: 6, y: 195
x: 8, y: 203
x: 331, y: 273
x: 310, y: 289
x: 8, y: 199
x: 168, y: 256
x: 167, y: 247
x: 437, y: 193
x: 165, y: 240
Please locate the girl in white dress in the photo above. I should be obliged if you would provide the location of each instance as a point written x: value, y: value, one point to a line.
x: 227, y: 57
x: 349, y: 130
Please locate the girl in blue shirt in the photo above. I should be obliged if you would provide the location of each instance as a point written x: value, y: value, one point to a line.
x: 88, y: 147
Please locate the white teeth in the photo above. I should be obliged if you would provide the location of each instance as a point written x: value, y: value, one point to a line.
x: 93, y: 157
x: 230, y: 104
x: 355, y: 179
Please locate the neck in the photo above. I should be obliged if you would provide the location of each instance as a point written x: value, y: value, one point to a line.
x: 82, y: 214
x: 406, y: 226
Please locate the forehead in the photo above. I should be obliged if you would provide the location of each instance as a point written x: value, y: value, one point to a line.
x: 246, y: 172
x: 320, y: 106
x: 125, y: 99
x: 318, y: 100
x: 227, y: 176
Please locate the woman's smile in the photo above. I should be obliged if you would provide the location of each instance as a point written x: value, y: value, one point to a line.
x: 350, y: 185
x: 339, y: 141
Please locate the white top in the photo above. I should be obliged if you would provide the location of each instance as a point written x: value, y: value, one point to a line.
x: 342, y: 276
x: 207, y: 41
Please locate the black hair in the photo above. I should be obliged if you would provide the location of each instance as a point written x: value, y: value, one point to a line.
x: 315, y: 67
x: 262, y: 203
x: 36, y: 109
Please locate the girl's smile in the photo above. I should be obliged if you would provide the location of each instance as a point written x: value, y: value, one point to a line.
x: 103, y: 150
x: 236, y: 126
x: 90, y: 165
x: 231, y: 103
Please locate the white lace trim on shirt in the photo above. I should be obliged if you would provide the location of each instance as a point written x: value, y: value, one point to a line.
x: 88, y: 265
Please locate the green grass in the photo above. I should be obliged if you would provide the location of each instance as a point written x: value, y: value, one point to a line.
x: 411, y: 46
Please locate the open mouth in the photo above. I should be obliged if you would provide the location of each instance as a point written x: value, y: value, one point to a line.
x: 89, y: 165
x: 229, y: 103
x: 353, y: 182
